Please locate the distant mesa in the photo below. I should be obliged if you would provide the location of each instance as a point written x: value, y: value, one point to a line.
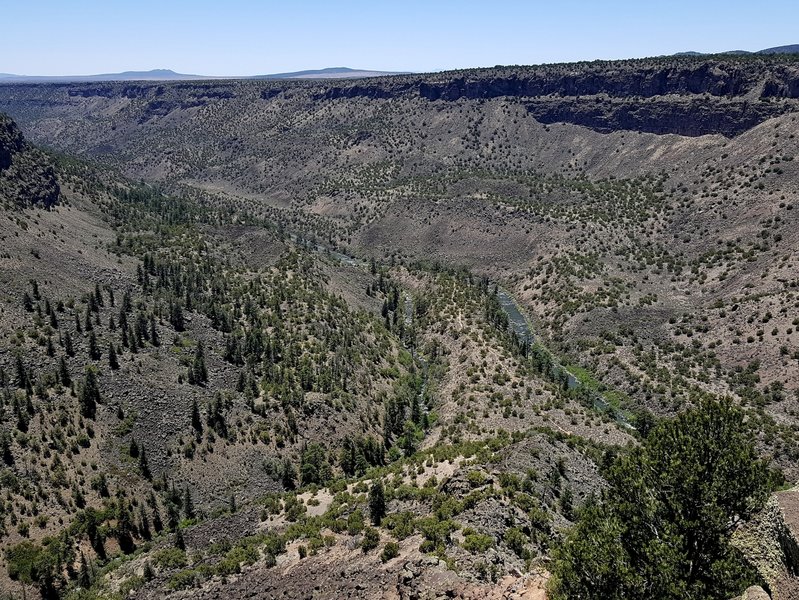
x: 153, y: 75
x: 169, y: 75
x: 330, y: 73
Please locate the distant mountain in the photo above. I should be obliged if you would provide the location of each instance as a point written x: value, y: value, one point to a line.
x: 790, y: 49
x: 153, y: 75
x: 329, y: 73
x: 169, y: 75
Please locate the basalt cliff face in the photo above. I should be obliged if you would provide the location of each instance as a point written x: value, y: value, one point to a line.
x: 682, y: 95
x: 694, y: 98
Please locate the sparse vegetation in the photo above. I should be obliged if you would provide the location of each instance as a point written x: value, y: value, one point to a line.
x: 417, y: 318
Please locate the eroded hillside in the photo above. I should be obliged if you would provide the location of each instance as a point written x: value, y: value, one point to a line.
x: 166, y: 361
x: 642, y: 214
x: 628, y: 247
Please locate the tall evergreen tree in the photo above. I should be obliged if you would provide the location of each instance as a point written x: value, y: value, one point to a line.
x: 188, y: 504
x: 377, y: 501
x: 664, y: 527
x: 199, y: 369
x: 68, y: 347
x: 144, y: 523
x: 196, y: 421
x: 155, y: 340
x: 144, y: 466
x: 180, y: 543
x: 90, y: 394
x: 63, y: 373
x: 94, y: 349
x: 113, y: 361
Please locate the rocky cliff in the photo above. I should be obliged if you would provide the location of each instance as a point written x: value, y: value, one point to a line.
x: 771, y: 543
x: 689, y: 96
x: 719, y: 78
x: 688, y: 116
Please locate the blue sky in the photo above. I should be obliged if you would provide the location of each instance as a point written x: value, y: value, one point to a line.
x: 237, y: 37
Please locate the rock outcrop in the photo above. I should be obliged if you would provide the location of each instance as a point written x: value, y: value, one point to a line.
x: 27, y: 177
x: 754, y: 593
x: 771, y: 542
x: 693, y: 116
x: 11, y: 141
x: 691, y: 98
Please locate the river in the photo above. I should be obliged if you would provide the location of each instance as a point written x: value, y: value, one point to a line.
x: 518, y: 323
x: 520, y: 326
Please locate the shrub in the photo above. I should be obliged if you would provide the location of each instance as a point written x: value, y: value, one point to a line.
x: 170, y: 558
x: 390, y: 550
x: 371, y: 537
x: 476, y: 542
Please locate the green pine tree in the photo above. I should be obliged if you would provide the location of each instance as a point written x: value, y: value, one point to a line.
x: 377, y: 501
x: 663, y: 528
x: 90, y: 394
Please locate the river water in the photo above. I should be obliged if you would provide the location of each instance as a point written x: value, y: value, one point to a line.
x: 518, y: 323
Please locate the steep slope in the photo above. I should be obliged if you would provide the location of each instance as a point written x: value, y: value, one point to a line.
x: 630, y: 248
x: 108, y: 363
x: 175, y: 364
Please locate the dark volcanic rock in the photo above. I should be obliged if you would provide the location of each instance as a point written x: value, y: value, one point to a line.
x: 690, y: 117
x: 11, y: 141
x: 363, y: 91
x: 688, y: 98
x: 27, y: 177
x: 645, y: 83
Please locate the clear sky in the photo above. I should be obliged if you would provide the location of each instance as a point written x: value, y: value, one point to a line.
x: 240, y: 37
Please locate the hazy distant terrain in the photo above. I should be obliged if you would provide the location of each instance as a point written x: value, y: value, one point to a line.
x: 787, y: 49
x: 329, y: 73
x: 169, y: 75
